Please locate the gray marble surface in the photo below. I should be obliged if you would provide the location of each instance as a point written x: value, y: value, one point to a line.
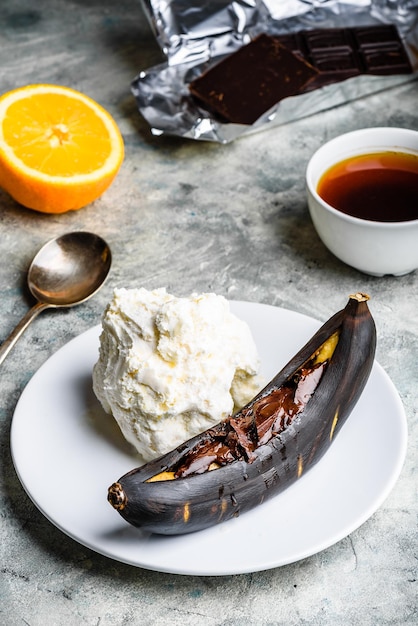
x: 194, y: 217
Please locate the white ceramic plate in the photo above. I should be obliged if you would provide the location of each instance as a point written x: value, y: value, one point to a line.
x: 67, y: 452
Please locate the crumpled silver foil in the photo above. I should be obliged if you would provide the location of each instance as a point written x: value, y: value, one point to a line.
x: 195, y: 35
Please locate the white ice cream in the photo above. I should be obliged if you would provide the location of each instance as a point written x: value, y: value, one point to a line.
x: 171, y: 367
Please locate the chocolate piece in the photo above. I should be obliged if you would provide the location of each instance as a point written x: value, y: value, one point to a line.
x: 340, y: 53
x: 252, y: 80
x: 240, y: 435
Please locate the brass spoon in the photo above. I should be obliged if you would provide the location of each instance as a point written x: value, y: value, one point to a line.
x: 65, y: 272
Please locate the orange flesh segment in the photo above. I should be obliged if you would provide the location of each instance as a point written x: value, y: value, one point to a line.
x: 65, y: 138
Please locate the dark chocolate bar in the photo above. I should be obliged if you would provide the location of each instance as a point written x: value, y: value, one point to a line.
x: 250, y: 81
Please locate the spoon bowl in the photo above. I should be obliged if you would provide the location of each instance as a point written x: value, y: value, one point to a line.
x: 66, y: 271
x: 70, y: 269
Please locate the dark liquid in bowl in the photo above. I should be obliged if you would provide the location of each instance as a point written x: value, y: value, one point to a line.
x: 381, y: 186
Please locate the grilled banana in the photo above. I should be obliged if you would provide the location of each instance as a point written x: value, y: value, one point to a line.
x: 267, y: 445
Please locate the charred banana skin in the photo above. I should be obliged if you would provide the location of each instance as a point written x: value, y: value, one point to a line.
x: 196, y: 502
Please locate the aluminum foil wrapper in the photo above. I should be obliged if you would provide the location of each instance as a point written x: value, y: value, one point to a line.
x: 195, y: 35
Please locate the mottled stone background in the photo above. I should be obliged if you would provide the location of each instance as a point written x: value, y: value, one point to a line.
x: 194, y: 217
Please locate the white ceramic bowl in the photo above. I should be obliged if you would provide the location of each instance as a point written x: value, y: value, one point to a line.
x: 376, y: 248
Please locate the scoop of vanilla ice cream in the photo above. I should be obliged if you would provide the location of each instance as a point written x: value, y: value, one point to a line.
x: 169, y: 368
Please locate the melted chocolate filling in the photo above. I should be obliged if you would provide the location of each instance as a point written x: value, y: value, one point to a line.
x: 240, y: 435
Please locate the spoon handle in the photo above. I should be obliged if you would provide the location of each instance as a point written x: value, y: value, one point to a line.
x: 8, y: 343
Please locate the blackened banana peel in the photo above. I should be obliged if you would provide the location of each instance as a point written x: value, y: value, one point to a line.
x: 266, y: 446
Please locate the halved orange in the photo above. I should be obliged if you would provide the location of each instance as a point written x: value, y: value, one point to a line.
x: 59, y: 149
